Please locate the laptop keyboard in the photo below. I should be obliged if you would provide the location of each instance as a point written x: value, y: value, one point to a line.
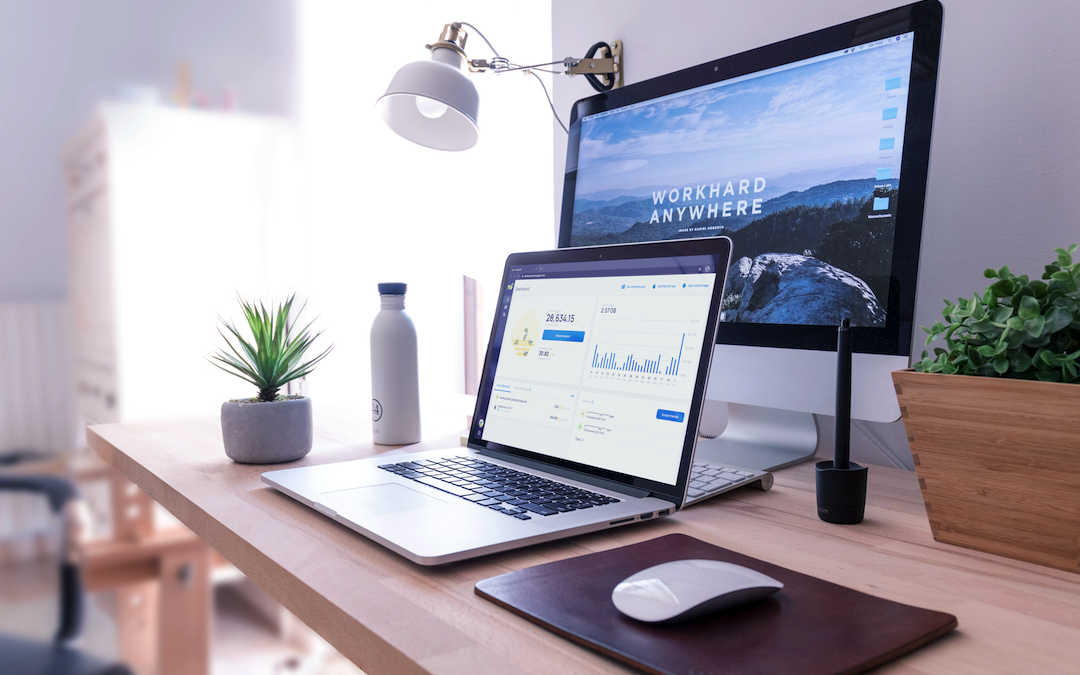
x: 514, y: 493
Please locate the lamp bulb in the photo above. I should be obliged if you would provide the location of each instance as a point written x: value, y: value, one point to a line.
x: 429, y: 107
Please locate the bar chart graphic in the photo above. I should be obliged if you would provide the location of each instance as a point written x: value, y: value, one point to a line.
x: 650, y: 343
x: 640, y: 362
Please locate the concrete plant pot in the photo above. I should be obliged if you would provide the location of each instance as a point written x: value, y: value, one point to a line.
x: 267, y: 432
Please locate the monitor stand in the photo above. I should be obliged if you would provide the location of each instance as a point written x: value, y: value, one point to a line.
x: 764, y: 439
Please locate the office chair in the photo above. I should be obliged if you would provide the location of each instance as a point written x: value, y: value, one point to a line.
x: 34, y: 657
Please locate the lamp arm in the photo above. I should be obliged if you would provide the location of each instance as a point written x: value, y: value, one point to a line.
x: 501, y: 65
x: 611, y: 65
x: 570, y: 65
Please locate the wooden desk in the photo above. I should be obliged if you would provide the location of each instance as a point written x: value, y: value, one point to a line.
x: 391, y: 616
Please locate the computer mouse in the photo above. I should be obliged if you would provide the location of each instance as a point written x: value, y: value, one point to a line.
x: 682, y: 589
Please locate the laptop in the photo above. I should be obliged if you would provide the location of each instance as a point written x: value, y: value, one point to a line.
x: 586, y: 416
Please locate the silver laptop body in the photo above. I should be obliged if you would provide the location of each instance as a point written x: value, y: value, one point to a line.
x: 586, y: 416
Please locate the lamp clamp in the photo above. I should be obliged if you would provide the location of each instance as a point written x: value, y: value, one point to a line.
x: 610, y: 65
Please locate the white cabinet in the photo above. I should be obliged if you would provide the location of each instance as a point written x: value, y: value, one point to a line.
x: 171, y: 214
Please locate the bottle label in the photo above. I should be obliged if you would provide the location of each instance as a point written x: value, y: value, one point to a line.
x: 376, y: 410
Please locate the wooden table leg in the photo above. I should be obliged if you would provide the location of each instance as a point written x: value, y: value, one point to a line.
x: 137, y: 610
x: 185, y: 611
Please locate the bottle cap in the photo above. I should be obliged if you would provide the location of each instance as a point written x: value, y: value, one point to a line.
x: 392, y: 289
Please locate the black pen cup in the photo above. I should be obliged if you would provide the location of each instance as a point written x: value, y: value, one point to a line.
x: 841, y: 493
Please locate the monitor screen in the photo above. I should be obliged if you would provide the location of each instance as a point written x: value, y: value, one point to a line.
x: 810, y: 154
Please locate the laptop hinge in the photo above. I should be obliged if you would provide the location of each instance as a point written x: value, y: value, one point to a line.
x: 568, y: 473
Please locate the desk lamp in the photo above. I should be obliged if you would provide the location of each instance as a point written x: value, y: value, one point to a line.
x: 433, y: 103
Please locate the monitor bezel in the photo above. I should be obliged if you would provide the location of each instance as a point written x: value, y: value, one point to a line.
x: 924, y: 19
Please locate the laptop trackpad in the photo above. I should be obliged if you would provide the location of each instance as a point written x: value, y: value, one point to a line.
x: 377, y: 500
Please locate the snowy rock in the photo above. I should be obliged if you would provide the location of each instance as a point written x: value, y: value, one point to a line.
x: 796, y: 289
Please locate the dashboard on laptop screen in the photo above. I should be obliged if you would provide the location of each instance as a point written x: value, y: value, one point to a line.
x: 596, y: 363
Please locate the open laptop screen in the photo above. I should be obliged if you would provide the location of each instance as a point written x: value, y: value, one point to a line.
x: 594, y: 364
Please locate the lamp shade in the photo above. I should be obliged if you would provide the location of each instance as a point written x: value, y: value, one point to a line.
x: 433, y: 103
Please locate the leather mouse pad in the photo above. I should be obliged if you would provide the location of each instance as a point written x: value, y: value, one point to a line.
x: 810, y: 627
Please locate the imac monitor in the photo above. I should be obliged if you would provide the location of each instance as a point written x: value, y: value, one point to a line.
x: 811, y: 154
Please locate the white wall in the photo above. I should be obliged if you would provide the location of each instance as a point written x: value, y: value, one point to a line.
x: 1005, y: 154
x: 59, y: 58
x: 382, y: 208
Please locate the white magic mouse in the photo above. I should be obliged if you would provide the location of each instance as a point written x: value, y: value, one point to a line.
x: 682, y: 589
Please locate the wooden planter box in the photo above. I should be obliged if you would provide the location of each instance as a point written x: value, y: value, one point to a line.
x: 998, y: 463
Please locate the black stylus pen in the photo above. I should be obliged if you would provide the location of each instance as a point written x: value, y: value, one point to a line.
x: 843, y: 395
x: 841, y: 483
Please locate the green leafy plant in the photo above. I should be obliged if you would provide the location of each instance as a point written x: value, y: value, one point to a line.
x: 1021, y: 328
x: 273, y: 357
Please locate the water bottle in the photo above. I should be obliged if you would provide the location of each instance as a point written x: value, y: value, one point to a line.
x: 395, y: 387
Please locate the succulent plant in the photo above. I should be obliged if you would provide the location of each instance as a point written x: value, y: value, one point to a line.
x: 1018, y: 327
x: 273, y: 357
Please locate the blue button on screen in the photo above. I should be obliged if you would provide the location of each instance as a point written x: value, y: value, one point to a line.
x: 670, y: 415
x: 565, y: 335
